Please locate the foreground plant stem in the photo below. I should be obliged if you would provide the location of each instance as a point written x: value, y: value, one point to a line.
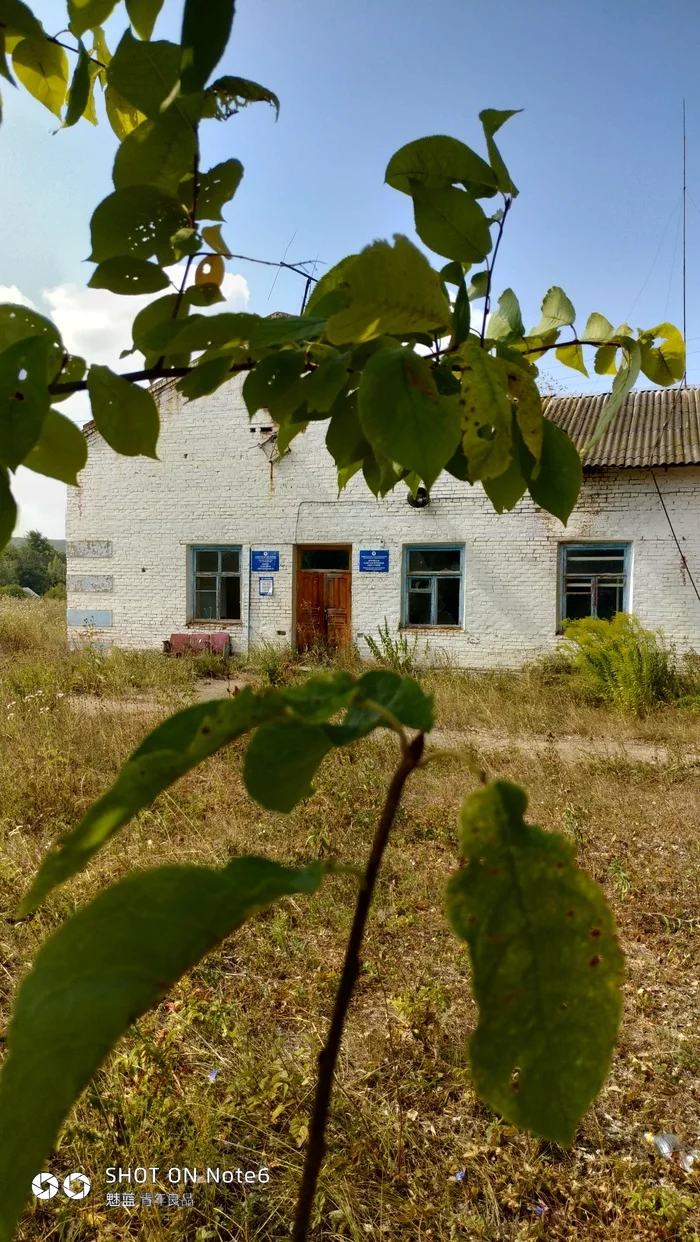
x: 410, y: 760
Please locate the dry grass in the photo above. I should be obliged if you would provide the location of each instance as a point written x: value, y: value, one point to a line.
x: 405, y: 1118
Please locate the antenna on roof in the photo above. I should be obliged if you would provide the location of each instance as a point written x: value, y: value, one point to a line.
x: 685, y: 372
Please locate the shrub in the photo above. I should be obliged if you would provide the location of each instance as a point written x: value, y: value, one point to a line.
x: 396, y: 653
x: 14, y: 591
x: 624, y: 665
x: 55, y: 592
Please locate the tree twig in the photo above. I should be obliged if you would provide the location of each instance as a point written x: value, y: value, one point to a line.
x: 328, y: 1057
x: 489, y: 281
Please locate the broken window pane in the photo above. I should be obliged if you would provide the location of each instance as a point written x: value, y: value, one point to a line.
x: 206, y: 605
x: 207, y: 562
x: 434, y: 560
x: 595, y: 581
x: 231, y: 561
x: 231, y: 598
x: 447, y: 601
x: 419, y: 608
x: 217, y: 584
x: 433, y: 586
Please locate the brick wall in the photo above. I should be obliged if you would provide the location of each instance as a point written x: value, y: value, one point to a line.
x: 132, y: 521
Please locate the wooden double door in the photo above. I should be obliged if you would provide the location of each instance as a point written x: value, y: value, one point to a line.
x: 323, y: 596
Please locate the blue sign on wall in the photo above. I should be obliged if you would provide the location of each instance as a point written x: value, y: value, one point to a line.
x: 376, y: 562
x: 265, y: 562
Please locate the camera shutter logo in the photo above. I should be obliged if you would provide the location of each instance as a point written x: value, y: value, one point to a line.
x: 45, y: 1186
x: 76, y: 1186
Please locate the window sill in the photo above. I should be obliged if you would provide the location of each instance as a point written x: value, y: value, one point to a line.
x: 432, y: 629
x: 214, y: 625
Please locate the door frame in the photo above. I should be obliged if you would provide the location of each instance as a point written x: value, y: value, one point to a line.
x: 305, y: 547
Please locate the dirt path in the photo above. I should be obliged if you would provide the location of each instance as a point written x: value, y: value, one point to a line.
x: 571, y: 748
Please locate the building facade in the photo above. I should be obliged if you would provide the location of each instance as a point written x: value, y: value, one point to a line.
x: 220, y: 537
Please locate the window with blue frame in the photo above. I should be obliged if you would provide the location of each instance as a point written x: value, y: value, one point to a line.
x: 433, y: 585
x: 216, y: 584
x: 594, y: 580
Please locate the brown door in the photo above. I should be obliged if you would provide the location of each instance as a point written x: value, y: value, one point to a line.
x: 323, y: 597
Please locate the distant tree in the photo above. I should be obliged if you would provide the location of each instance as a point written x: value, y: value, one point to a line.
x: 39, y: 565
x: 9, y: 572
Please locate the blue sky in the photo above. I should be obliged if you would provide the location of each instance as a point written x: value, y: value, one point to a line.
x: 596, y: 154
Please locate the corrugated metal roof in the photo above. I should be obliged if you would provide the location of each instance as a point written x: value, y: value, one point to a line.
x: 656, y: 427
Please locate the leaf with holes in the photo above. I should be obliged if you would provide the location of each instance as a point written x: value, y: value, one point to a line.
x: 216, y: 188
x: 125, y: 274
x: 226, y: 97
x: 486, y: 411
x: 125, y: 415
x: 271, y: 379
x: 546, y: 966
x: 664, y: 363
x: 210, y: 270
x: 24, y: 396
x: 103, y: 968
x: 42, y: 67
x: 390, y: 289
x: 403, y: 415
x: 17, y: 322
x: 139, y: 220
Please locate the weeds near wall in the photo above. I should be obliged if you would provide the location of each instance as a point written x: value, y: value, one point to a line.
x: 624, y: 665
x: 395, y: 652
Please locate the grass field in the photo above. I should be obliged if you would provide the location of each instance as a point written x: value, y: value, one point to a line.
x: 222, y: 1073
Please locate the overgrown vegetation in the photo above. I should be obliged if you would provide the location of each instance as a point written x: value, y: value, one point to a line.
x: 34, y: 563
x: 220, y: 1072
x: 623, y: 664
x: 395, y: 651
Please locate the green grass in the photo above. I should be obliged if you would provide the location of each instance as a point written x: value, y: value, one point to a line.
x: 405, y: 1118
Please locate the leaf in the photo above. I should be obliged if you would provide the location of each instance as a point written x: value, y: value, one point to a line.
x: 664, y: 363
x: 24, y: 397
x: 18, y: 18
x: 403, y: 415
x: 597, y: 328
x: 210, y: 270
x: 479, y: 286
x: 572, y: 356
x: 156, y: 153
x: 558, y: 482
x: 622, y: 384
x: 557, y: 311
x: 4, y: 67
x: 345, y: 439
x: 144, y: 74
x: 461, y: 317
x: 506, y: 324
x: 79, y: 92
x: 492, y: 119
x: 8, y: 509
x: 322, y: 387
x: 61, y: 450
x: 546, y: 966
x: 403, y: 697
x: 205, y: 378
x: 205, y: 33
x: 71, y: 369
x: 451, y: 223
x: 528, y: 411
x: 436, y: 162
x: 124, y: 274
x: 226, y: 97
x: 204, y: 332
x: 486, y: 413
x: 604, y: 363
x: 85, y: 14
x: 159, y: 311
x: 42, y: 67
x: 139, y: 221
x: 18, y: 322
x: 143, y: 15
x: 506, y: 489
x: 126, y: 416
x: 109, y: 963
x: 291, y: 328
x: 271, y: 379
x: 281, y: 760
x: 217, y: 187
x: 390, y: 290
x: 206, y: 294
x: 122, y: 117
x: 213, y: 238
x: 167, y: 753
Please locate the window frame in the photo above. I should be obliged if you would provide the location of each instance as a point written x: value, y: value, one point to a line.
x: 601, y: 545
x: 214, y: 547
x: 406, y: 574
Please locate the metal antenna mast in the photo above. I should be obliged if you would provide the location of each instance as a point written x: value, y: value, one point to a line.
x: 685, y: 373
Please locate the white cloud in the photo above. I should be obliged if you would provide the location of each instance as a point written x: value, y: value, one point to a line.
x: 10, y: 293
x: 95, y: 324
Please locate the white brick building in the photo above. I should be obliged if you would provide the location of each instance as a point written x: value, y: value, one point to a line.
x: 215, y: 538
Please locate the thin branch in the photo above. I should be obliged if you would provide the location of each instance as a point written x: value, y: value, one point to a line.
x: 351, y: 969
x: 487, y: 303
x: 67, y: 46
x: 292, y: 267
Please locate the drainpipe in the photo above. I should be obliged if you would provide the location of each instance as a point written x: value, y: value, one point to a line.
x: 250, y: 579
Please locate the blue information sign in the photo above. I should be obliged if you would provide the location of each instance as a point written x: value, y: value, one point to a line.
x: 265, y: 562
x: 376, y: 562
